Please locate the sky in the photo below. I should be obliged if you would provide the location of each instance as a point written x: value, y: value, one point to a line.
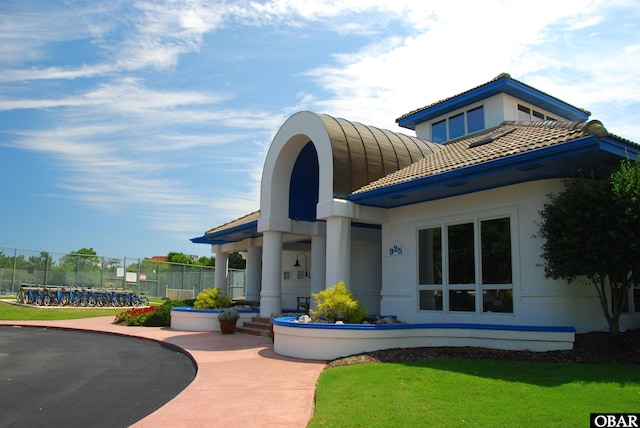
x: 132, y: 126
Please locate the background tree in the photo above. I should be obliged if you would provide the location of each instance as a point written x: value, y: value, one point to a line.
x: 83, y: 259
x: 236, y: 261
x: 182, y: 258
x: 592, y: 230
x: 40, y: 262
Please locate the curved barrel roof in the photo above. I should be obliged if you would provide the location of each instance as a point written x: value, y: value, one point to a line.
x: 363, y: 154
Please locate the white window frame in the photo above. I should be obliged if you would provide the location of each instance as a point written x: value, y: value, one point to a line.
x: 477, y: 287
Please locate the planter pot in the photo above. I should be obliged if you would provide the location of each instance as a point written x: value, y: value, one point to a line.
x: 227, y: 326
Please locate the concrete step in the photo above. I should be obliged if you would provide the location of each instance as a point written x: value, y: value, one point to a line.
x: 258, y: 326
x: 254, y: 331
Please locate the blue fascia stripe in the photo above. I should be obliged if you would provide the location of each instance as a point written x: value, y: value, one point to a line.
x: 211, y: 311
x: 219, y: 237
x: 291, y: 322
x: 506, y: 85
x: 572, y: 148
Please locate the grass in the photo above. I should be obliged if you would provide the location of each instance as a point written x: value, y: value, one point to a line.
x: 457, y: 392
x: 15, y: 312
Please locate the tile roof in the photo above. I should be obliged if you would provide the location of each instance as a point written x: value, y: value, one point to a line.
x: 254, y: 216
x: 509, y: 138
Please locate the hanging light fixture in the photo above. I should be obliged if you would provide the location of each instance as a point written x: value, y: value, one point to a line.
x: 297, y: 263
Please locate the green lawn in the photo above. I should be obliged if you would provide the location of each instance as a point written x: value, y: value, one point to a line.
x: 16, y: 312
x: 457, y: 392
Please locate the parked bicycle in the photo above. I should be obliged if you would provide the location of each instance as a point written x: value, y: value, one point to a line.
x: 39, y: 295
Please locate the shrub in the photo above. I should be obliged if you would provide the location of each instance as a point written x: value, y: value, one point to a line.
x: 161, y: 317
x: 152, y: 316
x: 337, y: 304
x: 211, y: 299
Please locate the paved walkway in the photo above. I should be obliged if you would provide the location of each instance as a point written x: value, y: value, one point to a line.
x: 240, y: 379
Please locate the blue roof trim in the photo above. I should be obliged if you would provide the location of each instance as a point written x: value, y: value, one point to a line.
x: 211, y: 311
x: 227, y: 235
x: 395, y: 195
x: 504, y: 84
x: 291, y: 322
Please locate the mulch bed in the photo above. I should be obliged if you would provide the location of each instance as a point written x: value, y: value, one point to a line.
x: 589, y: 348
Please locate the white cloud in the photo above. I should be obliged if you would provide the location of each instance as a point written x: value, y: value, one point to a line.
x: 419, y: 52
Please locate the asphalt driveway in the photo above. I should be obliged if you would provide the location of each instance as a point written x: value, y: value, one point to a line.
x: 52, y: 377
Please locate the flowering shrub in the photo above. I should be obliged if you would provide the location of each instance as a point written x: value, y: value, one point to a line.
x: 337, y: 304
x: 211, y: 299
x: 152, y: 316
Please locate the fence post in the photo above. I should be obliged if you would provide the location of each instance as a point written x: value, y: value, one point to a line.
x: 46, y: 268
x: 15, y: 267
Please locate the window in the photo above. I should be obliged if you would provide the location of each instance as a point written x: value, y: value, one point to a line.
x: 466, y: 267
x: 524, y: 113
x: 461, y: 255
x: 475, y: 119
x: 439, y: 131
x: 527, y: 114
x: 458, y: 125
x: 430, y: 264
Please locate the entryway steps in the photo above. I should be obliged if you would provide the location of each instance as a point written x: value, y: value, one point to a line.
x: 258, y: 326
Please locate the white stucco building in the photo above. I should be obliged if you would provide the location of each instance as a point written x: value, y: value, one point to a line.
x: 434, y: 228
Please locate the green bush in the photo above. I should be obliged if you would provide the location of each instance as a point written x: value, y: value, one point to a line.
x: 161, y: 317
x: 337, y: 304
x: 211, y: 299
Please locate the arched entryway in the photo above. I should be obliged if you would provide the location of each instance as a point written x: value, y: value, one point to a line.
x: 315, y: 161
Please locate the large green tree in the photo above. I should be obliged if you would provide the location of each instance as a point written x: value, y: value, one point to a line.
x: 592, y: 231
x: 83, y: 259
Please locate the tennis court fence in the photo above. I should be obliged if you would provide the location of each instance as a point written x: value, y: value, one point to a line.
x: 149, y: 277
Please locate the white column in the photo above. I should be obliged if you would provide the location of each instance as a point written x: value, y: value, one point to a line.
x: 318, y: 265
x: 270, y: 296
x: 338, y: 251
x: 254, y: 274
x: 222, y: 272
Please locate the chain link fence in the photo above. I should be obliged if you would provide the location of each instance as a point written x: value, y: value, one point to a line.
x: 149, y: 277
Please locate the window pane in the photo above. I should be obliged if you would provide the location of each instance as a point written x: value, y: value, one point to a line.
x: 461, y: 258
x: 456, y: 126
x: 439, y: 131
x: 475, y: 119
x: 462, y: 300
x: 538, y: 115
x: 497, y: 301
x: 524, y: 113
x: 430, y: 256
x: 495, y: 240
x: 430, y: 300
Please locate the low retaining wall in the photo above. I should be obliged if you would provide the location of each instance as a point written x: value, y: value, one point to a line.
x: 330, y: 341
x: 189, y: 319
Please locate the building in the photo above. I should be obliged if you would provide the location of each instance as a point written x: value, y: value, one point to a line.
x: 434, y: 228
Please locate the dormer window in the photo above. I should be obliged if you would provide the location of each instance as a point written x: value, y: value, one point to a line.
x: 458, y: 125
x: 526, y: 114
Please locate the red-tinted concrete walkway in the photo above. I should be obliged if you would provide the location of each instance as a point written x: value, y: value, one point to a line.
x: 240, y: 380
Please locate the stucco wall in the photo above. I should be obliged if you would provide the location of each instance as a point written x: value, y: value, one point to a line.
x: 536, y: 300
x: 366, y: 272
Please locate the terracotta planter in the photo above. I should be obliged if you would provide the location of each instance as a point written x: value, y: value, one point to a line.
x: 227, y: 326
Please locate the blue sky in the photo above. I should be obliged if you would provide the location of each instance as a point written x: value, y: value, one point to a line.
x: 131, y: 126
